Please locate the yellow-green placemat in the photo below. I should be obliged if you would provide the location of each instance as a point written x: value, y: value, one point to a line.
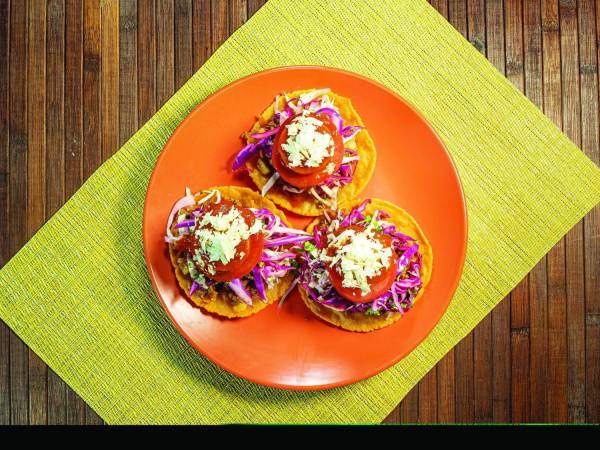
x: 78, y: 293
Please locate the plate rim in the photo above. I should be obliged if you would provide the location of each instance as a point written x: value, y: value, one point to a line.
x: 323, y: 386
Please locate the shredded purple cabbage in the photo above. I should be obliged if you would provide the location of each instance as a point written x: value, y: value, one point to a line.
x: 404, y: 288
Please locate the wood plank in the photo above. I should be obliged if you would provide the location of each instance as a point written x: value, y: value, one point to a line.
x: 92, y: 151
x: 428, y: 397
x: 254, y: 5
x: 482, y: 334
x: 165, y: 83
x: 409, y: 408
x: 55, y: 168
x: 463, y: 352
x: 73, y: 142
x: 36, y: 180
x: 501, y: 358
x: 146, y: 60
x: 538, y: 297
x: 201, y: 26
x: 128, y: 83
x: 441, y: 6
x: 238, y: 14
x: 92, y: 139
x: 393, y: 416
x: 589, y: 28
x: 519, y: 305
x: 556, y: 408
x: 109, y: 80
x: 17, y: 229
x: 575, y: 296
x: 184, y: 61
x: 219, y: 23
x: 4, y: 224
x: 73, y: 96
x: 446, y: 389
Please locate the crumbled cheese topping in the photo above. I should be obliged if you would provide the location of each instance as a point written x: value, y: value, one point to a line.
x: 218, y: 235
x: 359, y: 256
x: 306, y: 146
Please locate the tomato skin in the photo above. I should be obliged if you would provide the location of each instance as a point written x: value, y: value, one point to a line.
x: 379, y: 284
x: 246, y: 264
x: 237, y: 267
x: 303, y: 177
x: 186, y: 244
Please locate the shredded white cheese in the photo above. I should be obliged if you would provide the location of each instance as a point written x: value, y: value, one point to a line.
x: 358, y: 257
x: 218, y: 235
x: 305, y: 146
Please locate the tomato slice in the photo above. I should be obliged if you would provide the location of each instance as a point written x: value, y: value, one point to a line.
x: 186, y: 244
x: 379, y: 284
x: 251, y: 248
x: 303, y: 177
x: 247, y: 263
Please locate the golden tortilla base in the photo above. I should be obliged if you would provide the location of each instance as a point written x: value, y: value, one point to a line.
x: 226, y: 303
x: 361, y: 322
x: 304, y: 203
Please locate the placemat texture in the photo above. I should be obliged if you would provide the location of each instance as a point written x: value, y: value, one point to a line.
x: 78, y: 293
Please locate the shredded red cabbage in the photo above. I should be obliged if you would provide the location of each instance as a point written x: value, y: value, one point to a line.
x: 315, y: 280
x: 342, y: 177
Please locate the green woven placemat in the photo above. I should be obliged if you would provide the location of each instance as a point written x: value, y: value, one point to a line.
x: 78, y: 293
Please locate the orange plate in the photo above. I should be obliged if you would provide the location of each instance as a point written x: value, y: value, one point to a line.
x: 289, y: 347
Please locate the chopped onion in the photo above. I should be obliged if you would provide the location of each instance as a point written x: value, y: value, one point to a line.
x: 283, y: 230
x: 276, y: 256
x: 183, y: 202
x: 348, y: 159
x: 238, y: 289
x: 310, y: 96
x: 269, y: 184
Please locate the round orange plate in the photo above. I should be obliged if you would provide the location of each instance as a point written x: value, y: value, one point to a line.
x: 289, y: 347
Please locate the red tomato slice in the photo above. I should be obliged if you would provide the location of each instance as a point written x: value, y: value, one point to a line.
x: 186, y: 244
x: 379, y: 284
x: 245, y: 266
x: 327, y: 127
x: 251, y: 248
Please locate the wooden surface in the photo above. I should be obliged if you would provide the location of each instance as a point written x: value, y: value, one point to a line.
x: 78, y: 78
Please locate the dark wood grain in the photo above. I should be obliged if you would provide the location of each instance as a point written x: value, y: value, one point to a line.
x: 73, y: 132
x: 4, y: 223
x: 556, y: 410
x: 575, y: 291
x: 78, y: 78
x: 588, y: 69
x: 146, y: 60
x: 500, y: 317
x: 128, y: 76
x: 519, y: 305
x: 17, y: 193
x: 55, y: 167
x: 538, y: 280
x: 184, y: 61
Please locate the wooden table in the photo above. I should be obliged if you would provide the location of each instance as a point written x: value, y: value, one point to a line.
x: 77, y: 79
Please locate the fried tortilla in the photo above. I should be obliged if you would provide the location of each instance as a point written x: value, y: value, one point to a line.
x: 359, y: 321
x: 220, y: 299
x: 304, y: 203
